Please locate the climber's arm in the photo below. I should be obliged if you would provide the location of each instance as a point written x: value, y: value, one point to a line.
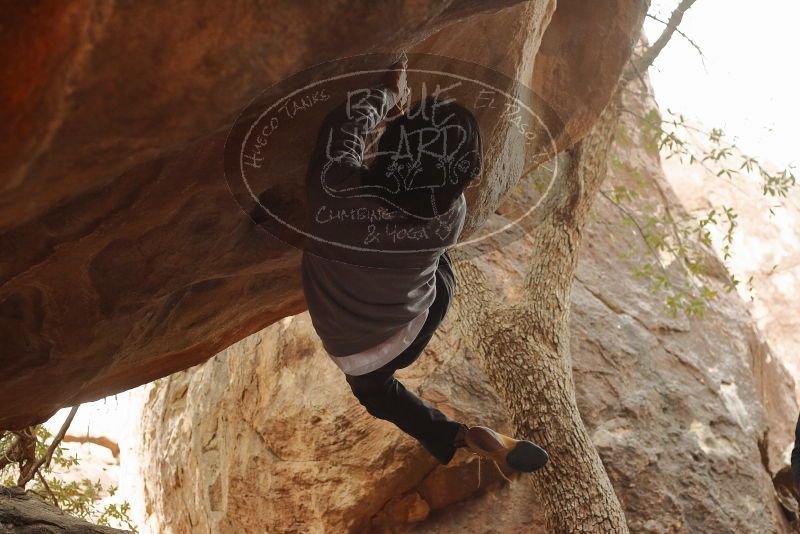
x: 364, y: 111
x: 350, y: 127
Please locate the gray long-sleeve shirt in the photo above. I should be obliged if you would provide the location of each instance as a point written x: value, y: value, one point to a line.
x: 369, y: 268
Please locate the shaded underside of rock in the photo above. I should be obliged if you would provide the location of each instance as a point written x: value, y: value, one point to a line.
x: 124, y: 256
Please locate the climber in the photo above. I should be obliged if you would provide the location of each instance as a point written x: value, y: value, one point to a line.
x: 377, y: 277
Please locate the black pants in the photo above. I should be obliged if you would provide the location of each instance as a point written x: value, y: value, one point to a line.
x: 386, y: 398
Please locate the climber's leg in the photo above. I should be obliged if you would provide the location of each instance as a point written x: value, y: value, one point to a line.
x: 386, y: 398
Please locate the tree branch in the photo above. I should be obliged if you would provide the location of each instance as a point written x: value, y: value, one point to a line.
x: 24, y: 478
x: 682, y: 34
x: 670, y: 28
x: 47, y: 487
x: 641, y: 231
x: 102, y: 441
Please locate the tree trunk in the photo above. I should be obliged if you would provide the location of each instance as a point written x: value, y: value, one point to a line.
x: 525, y: 347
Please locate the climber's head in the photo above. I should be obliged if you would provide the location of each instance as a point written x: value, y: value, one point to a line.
x: 427, y: 158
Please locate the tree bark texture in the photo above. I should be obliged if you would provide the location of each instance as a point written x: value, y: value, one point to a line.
x: 525, y: 347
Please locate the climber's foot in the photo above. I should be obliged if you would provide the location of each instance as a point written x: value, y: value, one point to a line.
x: 513, y: 454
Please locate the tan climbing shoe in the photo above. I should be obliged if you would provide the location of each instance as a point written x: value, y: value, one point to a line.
x: 509, y: 453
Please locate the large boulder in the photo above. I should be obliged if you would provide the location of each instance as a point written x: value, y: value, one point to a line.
x: 689, y: 416
x: 266, y: 437
x: 125, y: 257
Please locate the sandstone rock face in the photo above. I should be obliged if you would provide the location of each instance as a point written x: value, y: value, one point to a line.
x: 687, y: 415
x: 264, y: 438
x: 124, y: 256
x: 766, y: 246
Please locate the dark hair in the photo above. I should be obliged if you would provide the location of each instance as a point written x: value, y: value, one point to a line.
x: 427, y: 158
